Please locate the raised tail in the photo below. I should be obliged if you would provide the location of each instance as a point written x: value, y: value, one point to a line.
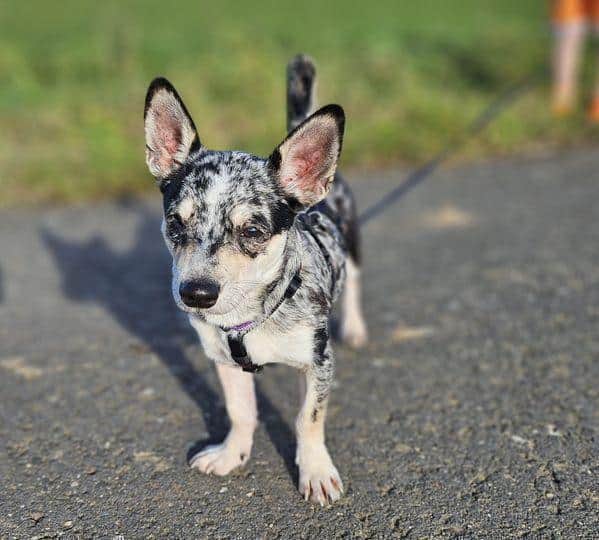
x: 301, y: 89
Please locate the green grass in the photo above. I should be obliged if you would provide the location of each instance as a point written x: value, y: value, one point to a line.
x: 411, y: 75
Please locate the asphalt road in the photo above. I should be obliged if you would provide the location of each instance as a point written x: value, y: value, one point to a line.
x: 472, y: 413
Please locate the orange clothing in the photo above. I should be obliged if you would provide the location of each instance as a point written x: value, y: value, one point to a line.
x: 563, y: 11
x: 593, y: 113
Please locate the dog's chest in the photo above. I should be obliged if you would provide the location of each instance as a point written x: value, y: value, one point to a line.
x: 293, y: 347
x: 263, y: 346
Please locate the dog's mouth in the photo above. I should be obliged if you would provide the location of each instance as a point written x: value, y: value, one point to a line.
x: 235, y: 306
x: 219, y: 309
x: 196, y: 310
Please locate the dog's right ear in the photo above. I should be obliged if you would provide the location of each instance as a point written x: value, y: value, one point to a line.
x: 170, y: 132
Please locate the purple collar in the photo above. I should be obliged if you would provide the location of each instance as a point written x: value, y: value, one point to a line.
x: 237, y: 348
x: 246, y: 326
x: 241, y: 327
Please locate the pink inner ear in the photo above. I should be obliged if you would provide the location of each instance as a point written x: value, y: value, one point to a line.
x: 307, y: 165
x: 172, y: 140
x: 309, y: 158
x: 169, y: 132
x: 169, y: 137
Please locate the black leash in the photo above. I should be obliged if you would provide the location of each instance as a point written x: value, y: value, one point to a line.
x: 507, y: 98
x: 502, y: 102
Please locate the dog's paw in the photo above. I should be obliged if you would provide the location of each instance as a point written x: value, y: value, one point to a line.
x: 319, y: 480
x: 353, y: 331
x: 220, y: 459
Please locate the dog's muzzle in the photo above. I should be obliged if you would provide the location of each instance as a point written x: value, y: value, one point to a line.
x: 201, y: 293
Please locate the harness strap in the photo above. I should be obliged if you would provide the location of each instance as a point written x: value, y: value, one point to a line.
x: 308, y: 221
x: 235, y: 341
x: 240, y: 355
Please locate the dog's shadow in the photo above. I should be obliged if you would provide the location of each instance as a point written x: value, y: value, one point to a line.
x: 134, y: 287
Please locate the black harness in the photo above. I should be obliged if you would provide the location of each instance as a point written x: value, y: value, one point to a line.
x: 235, y: 339
x: 307, y: 221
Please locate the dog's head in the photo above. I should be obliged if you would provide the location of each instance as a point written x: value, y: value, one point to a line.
x: 227, y: 214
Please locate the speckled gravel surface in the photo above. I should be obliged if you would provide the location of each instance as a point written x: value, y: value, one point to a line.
x: 472, y: 413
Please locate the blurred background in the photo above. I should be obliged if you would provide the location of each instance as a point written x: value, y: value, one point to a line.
x: 411, y: 75
x: 471, y: 413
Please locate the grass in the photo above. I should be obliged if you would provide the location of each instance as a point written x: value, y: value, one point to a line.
x: 411, y: 75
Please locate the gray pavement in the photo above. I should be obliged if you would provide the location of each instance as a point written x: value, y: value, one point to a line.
x: 472, y: 413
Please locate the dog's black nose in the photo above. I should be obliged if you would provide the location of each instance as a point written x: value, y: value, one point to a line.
x: 201, y: 293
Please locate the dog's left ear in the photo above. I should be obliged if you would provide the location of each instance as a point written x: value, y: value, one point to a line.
x: 305, y: 162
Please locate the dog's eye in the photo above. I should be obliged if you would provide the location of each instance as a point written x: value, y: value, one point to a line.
x: 175, y: 220
x: 251, y: 232
x: 175, y: 224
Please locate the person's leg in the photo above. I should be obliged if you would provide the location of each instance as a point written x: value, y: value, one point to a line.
x: 593, y: 10
x: 569, y: 26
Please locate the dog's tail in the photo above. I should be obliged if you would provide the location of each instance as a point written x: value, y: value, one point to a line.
x: 301, y: 89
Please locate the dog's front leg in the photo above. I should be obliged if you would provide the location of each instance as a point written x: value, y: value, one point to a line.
x: 240, y: 398
x: 319, y: 480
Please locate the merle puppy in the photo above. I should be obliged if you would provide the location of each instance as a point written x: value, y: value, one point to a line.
x: 261, y: 249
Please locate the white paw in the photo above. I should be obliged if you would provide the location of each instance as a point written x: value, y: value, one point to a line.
x: 220, y: 459
x: 353, y: 331
x: 319, y: 480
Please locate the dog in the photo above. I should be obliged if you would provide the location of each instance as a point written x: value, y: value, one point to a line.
x: 261, y: 249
